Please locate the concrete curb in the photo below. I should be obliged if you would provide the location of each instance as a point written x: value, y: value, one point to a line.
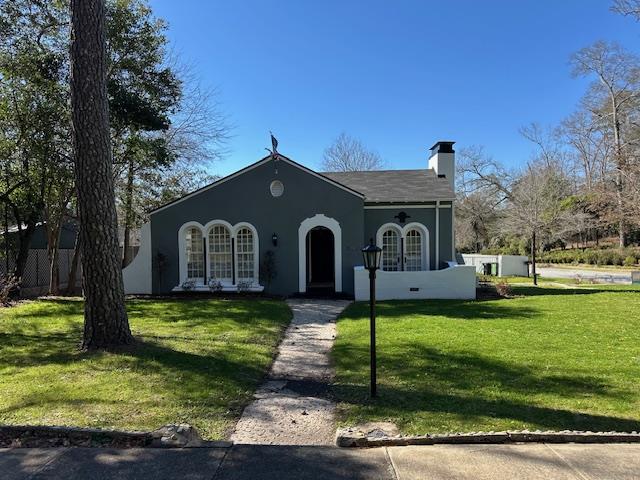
x: 349, y: 437
x: 35, y: 436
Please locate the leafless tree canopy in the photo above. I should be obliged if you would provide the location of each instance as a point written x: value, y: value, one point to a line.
x: 627, y: 7
x: 348, y: 154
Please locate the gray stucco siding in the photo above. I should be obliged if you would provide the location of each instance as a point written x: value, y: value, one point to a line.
x: 375, y: 218
x: 247, y: 198
x: 445, y: 236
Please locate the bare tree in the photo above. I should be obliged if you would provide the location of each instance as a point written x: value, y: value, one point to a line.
x: 105, y: 317
x: 616, y: 88
x: 535, y: 206
x: 629, y: 8
x: 348, y: 154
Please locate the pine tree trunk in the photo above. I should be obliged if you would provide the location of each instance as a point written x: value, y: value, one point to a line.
x: 105, y: 317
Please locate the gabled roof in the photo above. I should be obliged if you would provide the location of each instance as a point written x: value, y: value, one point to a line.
x: 260, y: 162
x: 389, y: 186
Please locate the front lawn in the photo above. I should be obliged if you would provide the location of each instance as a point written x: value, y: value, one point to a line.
x: 553, y: 358
x: 198, y: 361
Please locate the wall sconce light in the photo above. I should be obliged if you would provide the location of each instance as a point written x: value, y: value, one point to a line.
x: 274, y: 240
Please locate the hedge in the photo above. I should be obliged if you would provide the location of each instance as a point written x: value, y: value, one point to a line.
x: 609, y: 256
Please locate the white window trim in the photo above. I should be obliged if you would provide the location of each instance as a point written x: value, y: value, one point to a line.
x: 402, y: 231
x: 319, y: 220
x: 208, y: 227
x: 233, y: 230
x: 256, y: 249
x: 182, y: 248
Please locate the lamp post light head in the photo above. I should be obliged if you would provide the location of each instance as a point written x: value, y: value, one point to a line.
x: 371, y: 254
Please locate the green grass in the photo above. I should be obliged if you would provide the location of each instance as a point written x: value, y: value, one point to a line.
x: 551, y: 358
x: 198, y: 361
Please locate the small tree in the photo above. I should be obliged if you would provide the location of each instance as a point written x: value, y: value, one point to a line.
x: 268, y: 269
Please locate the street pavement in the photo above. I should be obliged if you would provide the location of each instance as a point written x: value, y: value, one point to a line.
x: 243, y: 462
x: 614, y: 276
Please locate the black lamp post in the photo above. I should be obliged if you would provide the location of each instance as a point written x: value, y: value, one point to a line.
x: 371, y: 255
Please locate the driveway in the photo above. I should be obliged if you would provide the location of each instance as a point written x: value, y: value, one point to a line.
x: 244, y: 462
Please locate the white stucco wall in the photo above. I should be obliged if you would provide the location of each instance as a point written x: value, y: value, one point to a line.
x: 457, y: 282
x: 137, y: 275
x: 508, y: 265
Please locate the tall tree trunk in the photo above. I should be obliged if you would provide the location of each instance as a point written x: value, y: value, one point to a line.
x: 533, y: 258
x: 73, y: 270
x: 128, y: 216
x: 620, y: 165
x: 105, y: 317
x: 53, y: 242
x: 24, y: 245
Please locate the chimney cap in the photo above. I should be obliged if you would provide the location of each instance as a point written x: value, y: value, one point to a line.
x: 442, y: 147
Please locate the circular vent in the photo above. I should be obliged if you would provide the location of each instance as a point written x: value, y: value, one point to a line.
x: 276, y: 188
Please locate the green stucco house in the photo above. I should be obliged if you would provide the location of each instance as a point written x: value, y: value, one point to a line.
x: 279, y: 227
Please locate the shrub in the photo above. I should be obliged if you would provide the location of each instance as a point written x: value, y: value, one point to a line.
x: 215, y: 285
x: 244, y: 285
x: 8, y: 284
x: 503, y: 288
x: 630, y: 261
x: 188, y: 285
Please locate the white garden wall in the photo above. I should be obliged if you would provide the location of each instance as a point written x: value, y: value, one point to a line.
x: 508, y: 265
x: 137, y: 275
x: 457, y: 282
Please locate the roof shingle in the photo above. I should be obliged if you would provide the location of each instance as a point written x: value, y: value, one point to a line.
x: 396, y: 185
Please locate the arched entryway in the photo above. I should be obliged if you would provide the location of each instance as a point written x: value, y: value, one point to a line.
x: 320, y: 260
x: 332, y: 252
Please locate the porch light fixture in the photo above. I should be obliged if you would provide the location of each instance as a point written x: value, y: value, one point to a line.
x: 274, y: 240
x: 371, y: 255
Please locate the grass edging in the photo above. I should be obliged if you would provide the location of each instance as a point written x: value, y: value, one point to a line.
x: 349, y: 437
x: 38, y: 436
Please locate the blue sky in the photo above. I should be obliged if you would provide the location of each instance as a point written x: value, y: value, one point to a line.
x: 399, y: 75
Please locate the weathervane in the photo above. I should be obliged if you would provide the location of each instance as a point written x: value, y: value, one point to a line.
x: 274, y: 146
x: 274, y: 151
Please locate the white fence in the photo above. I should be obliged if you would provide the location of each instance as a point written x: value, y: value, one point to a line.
x: 508, y: 265
x: 457, y: 282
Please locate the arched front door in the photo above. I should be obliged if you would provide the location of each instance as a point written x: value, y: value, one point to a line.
x: 320, y: 257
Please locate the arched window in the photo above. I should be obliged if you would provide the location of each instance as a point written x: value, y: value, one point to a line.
x: 195, y: 254
x: 245, y: 255
x: 413, y: 251
x: 220, y: 257
x: 390, y: 250
x: 404, y: 248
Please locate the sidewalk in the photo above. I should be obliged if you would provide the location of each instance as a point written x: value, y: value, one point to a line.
x: 244, y: 462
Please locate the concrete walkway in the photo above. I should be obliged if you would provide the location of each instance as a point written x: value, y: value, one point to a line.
x: 291, y: 407
x: 244, y: 462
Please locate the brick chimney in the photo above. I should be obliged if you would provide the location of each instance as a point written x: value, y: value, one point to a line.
x: 443, y: 161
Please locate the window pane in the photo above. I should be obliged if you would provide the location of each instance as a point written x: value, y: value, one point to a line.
x: 390, y: 251
x: 245, y: 254
x: 220, y: 258
x: 413, y: 251
x: 195, y: 254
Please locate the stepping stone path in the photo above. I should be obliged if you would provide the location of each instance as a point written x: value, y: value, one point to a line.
x: 291, y: 407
